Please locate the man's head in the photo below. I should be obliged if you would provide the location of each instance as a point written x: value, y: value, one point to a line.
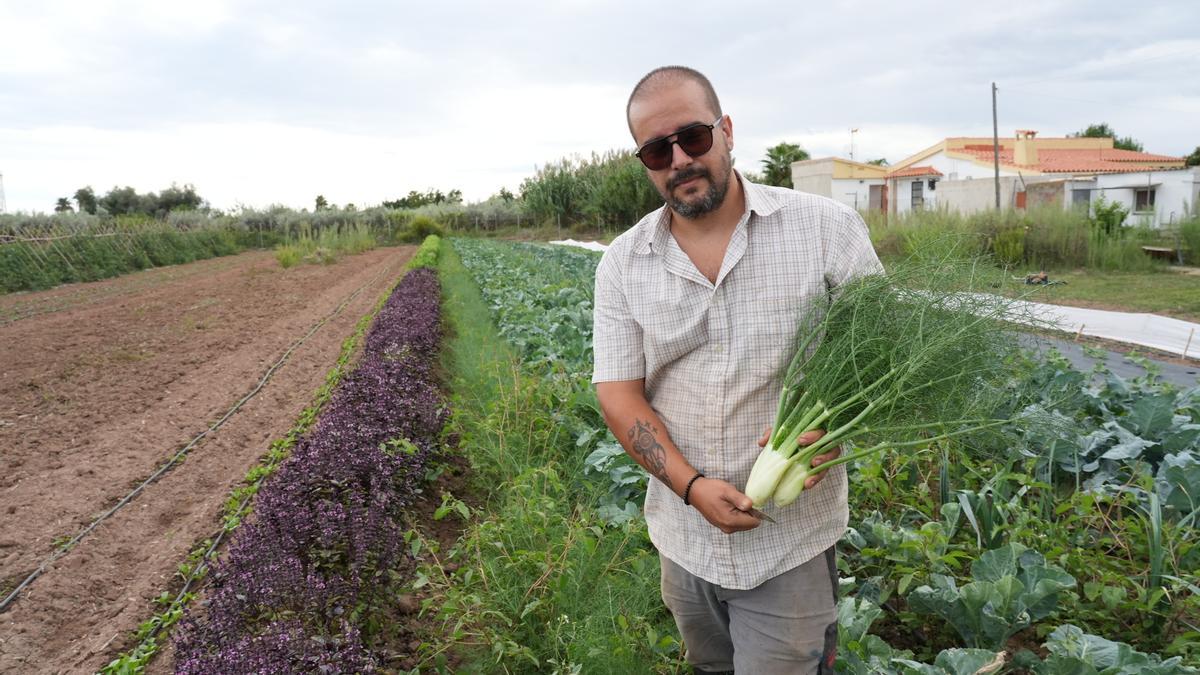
x: 666, y: 101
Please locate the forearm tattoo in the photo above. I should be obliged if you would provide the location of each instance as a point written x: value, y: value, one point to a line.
x: 654, y: 455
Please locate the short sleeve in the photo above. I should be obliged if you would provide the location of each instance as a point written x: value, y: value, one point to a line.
x: 616, y: 336
x: 850, y: 253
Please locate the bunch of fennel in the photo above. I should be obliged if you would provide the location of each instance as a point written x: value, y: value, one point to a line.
x: 896, y: 360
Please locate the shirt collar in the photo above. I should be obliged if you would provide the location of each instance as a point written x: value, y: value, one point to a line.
x: 656, y: 228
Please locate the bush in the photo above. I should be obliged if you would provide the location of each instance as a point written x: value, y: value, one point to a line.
x: 420, y: 227
x: 1189, y: 235
x: 427, y: 254
x: 288, y: 255
x: 1009, y: 246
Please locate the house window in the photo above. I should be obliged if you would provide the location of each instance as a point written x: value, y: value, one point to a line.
x: 1081, y: 198
x: 1143, y: 200
x: 918, y: 195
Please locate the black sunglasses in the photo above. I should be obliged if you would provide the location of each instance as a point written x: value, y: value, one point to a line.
x: 694, y: 139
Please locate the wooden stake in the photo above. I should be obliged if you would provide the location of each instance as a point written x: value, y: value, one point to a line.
x: 1079, y: 332
x: 1191, y: 334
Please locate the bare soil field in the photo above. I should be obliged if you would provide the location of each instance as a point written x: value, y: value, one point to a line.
x: 101, y: 383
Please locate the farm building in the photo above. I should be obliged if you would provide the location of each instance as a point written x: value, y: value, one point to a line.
x: 957, y: 174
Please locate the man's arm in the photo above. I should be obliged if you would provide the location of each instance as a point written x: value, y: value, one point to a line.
x: 644, y: 437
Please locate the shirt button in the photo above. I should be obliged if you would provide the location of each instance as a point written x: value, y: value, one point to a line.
x: 719, y: 347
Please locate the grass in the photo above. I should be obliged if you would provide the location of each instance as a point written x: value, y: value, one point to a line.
x: 326, y: 246
x: 1171, y: 293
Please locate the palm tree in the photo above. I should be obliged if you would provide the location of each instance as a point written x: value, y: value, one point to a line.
x: 777, y: 167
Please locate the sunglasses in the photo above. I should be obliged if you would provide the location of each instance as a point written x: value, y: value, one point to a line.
x: 694, y: 140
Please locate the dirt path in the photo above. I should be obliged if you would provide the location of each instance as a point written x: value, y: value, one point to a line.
x: 96, y: 394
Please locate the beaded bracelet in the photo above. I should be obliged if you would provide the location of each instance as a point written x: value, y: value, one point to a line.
x: 687, y: 490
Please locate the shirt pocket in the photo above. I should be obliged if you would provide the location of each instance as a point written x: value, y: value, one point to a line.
x: 771, y: 341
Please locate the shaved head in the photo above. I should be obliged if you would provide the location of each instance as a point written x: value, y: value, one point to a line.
x: 671, y: 76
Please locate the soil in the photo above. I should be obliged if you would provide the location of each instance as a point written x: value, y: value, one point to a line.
x: 101, y: 383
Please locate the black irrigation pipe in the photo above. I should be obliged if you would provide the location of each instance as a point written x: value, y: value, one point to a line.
x: 66, y: 548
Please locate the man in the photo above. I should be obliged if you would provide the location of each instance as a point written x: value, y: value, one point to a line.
x: 695, y: 310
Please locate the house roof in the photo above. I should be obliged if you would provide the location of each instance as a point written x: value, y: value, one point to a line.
x: 914, y: 171
x: 1065, y: 160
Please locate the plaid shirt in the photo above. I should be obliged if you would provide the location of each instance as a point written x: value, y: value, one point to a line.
x: 711, y: 355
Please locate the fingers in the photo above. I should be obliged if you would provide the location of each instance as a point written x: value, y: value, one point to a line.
x: 724, y: 506
x: 762, y: 442
x: 810, y: 437
x: 737, y: 520
x: 821, y: 459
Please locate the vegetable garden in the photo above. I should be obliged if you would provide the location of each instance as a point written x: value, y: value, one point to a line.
x: 1066, y: 546
x: 1071, y: 547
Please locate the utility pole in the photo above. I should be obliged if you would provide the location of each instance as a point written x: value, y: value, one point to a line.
x: 852, y: 132
x: 996, y: 146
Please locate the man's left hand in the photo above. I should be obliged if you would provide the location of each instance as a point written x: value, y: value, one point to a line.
x: 808, y: 438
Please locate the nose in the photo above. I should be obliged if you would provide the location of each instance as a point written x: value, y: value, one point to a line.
x: 679, y: 158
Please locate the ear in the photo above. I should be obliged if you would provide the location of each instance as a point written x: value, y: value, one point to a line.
x: 727, y: 129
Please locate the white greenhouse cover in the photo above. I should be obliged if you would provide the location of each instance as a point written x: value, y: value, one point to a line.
x: 1174, y: 336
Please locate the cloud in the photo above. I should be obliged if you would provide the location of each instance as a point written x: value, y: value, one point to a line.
x: 267, y: 101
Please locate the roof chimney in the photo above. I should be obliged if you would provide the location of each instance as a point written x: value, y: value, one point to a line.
x: 1025, y: 151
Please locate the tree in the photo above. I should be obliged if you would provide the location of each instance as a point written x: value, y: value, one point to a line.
x: 126, y: 200
x: 64, y: 206
x: 878, y: 162
x: 321, y: 204
x: 1193, y: 159
x: 176, y: 198
x: 1102, y: 130
x: 507, y: 196
x: 85, y: 198
x: 777, y: 167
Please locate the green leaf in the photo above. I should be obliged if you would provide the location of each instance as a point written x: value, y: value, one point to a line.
x: 1151, y: 415
x: 969, y: 661
x: 1129, y: 445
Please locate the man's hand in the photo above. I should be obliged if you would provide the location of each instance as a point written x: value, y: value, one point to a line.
x: 808, y: 438
x: 722, y: 505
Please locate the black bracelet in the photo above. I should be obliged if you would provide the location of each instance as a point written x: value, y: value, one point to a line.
x: 687, y: 490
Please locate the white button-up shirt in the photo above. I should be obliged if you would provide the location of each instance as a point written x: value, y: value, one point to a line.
x: 712, y: 356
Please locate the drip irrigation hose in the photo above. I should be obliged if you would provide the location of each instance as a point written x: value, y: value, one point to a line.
x: 67, y: 547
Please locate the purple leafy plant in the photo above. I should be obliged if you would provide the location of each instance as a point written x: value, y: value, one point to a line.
x: 305, y: 576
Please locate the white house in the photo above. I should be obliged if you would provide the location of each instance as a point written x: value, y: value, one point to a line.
x: 1070, y: 171
x: 959, y: 174
x: 853, y: 183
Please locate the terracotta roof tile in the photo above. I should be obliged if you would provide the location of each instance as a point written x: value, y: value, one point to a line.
x: 914, y: 171
x: 1051, y: 160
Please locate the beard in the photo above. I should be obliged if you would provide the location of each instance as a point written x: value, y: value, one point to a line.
x: 709, y: 201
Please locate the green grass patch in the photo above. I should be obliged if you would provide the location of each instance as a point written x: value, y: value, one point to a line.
x: 1170, y: 292
x: 325, y: 246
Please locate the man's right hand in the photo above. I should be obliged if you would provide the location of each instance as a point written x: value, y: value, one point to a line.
x: 723, y: 505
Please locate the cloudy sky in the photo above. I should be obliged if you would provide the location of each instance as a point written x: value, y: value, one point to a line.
x: 261, y: 102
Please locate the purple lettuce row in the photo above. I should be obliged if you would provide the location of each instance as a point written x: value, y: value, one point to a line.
x: 327, y: 526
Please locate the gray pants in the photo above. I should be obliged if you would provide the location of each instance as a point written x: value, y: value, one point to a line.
x: 788, y: 625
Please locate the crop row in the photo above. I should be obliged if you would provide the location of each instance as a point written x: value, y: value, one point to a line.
x: 305, y: 584
x: 1082, y: 529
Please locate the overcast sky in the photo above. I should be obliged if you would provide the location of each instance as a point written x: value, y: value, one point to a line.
x: 275, y: 102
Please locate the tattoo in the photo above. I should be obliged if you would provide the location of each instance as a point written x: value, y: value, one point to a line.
x: 643, y: 442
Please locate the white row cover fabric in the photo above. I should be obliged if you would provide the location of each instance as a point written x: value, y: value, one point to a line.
x: 1174, y: 336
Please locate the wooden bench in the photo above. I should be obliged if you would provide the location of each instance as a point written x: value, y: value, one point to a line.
x: 1161, y: 253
